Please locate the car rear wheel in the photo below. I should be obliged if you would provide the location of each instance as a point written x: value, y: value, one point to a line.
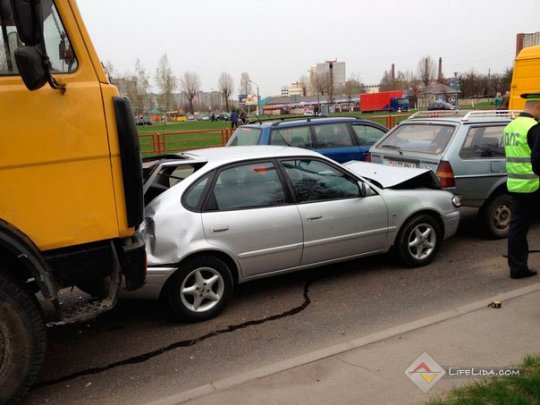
x: 495, y: 216
x: 200, y: 289
x: 418, y: 241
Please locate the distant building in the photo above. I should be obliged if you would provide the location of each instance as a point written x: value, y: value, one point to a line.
x: 323, y: 71
x: 526, y: 40
x: 285, y: 91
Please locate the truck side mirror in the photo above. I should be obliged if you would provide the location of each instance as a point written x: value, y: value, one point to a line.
x: 31, y: 67
x: 27, y: 15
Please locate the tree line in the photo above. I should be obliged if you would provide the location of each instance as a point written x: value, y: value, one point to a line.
x: 137, y: 85
x: 471, y: 84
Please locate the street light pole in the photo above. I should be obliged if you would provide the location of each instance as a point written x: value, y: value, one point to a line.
x: 258, y: 98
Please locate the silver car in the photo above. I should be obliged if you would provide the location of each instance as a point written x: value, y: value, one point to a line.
x: 465, y: 151
x: 217, y: 217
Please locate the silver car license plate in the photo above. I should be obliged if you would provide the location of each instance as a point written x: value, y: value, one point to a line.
x: 401, y: 163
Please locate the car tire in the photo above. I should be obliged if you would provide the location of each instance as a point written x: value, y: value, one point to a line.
x: 495, y: 216
x: 418, y: 241
x: 22, y: 339
x: 199, y: 289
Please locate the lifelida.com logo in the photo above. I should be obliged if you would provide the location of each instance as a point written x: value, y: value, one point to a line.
x: 425, y: 372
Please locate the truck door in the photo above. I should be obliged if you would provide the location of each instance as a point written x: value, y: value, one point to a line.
x: 55, y: 168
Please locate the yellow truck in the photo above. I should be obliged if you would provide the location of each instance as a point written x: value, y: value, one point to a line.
x: 526, y: 76
x: 70, y: 183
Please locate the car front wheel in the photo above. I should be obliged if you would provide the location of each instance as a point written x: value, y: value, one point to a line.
x: 418, y: 241
x: 200, y: 289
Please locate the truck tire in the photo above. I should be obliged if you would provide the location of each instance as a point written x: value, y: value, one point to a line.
x: 22, y: 339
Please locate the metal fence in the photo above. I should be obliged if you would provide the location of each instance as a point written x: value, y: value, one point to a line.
x: 161, y: 143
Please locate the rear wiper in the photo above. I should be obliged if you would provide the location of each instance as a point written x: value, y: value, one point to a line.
x: 393, y: 147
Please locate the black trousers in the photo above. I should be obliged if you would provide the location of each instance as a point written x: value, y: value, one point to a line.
x: 525, y: 207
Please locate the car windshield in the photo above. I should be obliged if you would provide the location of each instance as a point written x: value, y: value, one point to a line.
x: 430, y: 138
x: 245, y: 136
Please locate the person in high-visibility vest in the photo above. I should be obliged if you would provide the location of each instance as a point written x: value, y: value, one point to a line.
x: 522, y: 150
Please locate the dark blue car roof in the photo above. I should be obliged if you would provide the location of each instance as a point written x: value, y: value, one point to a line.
x: 298, y: 121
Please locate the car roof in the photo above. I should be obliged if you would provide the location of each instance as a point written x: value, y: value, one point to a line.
x: 301, y: 121
x: 224, y: 155
x: 462, y: 116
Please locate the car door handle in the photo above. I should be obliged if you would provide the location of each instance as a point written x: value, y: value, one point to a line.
x: 314, y: 217
x: 219, y: 228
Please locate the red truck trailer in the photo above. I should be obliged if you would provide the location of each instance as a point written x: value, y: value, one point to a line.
x: 392, y: 100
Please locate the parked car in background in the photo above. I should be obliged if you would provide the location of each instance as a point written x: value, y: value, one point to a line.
x: 339, y: 138
x: 309, y: 113
x: 465, y: 151
x: 143, y: 121
x: 220, y: 216
x: 223, y: 117
x: 442, y: 105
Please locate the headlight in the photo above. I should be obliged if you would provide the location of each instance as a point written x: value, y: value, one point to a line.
x: 456, y: 200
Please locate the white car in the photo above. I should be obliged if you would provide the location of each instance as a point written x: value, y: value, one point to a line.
x: 221, y: 216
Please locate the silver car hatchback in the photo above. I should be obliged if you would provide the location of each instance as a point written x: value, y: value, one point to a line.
x: 466, y: 152
x: 221, y: 216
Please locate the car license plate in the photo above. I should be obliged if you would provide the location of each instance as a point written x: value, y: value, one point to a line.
x: 401, y: 163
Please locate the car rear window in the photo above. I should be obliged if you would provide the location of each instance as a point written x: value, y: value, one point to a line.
x: 425, y: 138
x: 245, y: 136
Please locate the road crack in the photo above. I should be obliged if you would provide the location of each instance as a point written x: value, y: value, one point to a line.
x: 185, y: 343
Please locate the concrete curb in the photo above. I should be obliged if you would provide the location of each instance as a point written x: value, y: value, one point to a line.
x: 307, y: 358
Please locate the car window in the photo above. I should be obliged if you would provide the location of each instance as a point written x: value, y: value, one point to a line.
x: 366, y: 134
x: 483, y: 143
x: 247, y: 186
x: 291, y: 136
x: 193, y: 195
x: 313, y: 180
x: 59, y: 50
x: 167, y: 177
x: 331, y: 136
x: 245, y: 136
x: 426, y: 138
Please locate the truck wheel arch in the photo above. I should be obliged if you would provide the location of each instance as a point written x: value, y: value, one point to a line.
x: 18, y: 249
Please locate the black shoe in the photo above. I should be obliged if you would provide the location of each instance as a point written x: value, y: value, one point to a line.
x: 523, y: 274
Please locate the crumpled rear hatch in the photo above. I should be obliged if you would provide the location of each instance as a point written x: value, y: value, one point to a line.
x: 395, y: 177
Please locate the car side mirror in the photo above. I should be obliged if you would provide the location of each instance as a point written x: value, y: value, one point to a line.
x: 365, y: 189
x: 31, y: 67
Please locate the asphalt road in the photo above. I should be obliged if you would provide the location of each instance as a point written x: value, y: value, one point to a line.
x: 137, y: 353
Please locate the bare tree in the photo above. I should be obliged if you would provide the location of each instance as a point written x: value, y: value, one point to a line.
x: 226, y: 84
x: 245, y: 84
x: 191, y: 85
x: 166, y: 82
x: 353, y: 87
x: 386, y: 82
x: 304, y: 83
x: 426, y: 68
x: 109, y: 69
x: 143, y: 87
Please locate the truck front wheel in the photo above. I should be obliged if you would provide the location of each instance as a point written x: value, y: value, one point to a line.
x: 22, y: 339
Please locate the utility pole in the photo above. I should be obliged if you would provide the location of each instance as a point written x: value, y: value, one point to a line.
x: 331, y: 80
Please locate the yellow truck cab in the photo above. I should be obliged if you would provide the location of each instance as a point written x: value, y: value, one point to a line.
x: 526, y: 76
x: 71, y: 182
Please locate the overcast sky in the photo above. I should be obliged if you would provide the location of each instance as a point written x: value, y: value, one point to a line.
x: 277, y: 41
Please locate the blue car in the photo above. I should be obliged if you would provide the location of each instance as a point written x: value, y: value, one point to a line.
x: 339, y: 138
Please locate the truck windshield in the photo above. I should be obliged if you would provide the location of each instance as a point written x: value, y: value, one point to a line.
x: 430, y: 138
x: 59, y: 48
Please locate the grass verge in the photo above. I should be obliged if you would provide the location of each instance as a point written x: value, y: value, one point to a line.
x: 524, y: 389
